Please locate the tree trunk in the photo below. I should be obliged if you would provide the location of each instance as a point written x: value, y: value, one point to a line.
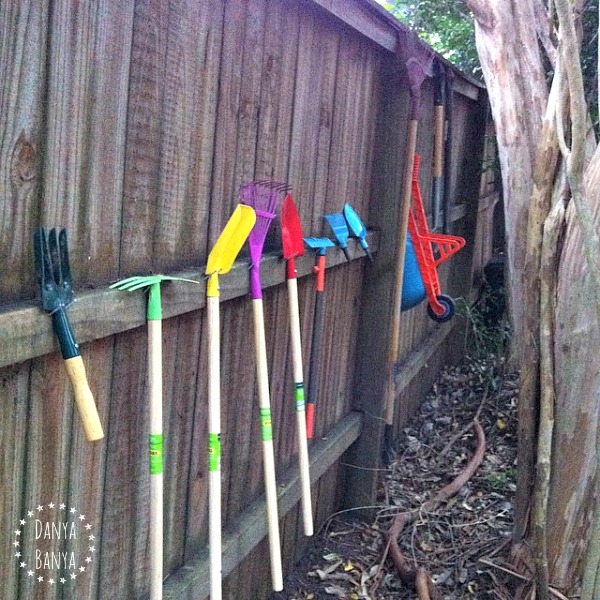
x: 513, y: 69
x: 577, y: 381
x: 512, y: 66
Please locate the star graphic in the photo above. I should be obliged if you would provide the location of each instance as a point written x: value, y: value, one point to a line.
x: 18, y: 554
x: 73, y: 575
x: 23, y: 565
x: 30, y: 573
x: 88, y: 526
x: 30, y: 513
x: 40, y: 578
x: 51, y: 505
x: 82, y: 569
x: 40, y: 508
x: 51, y: 581
x: 73, y: 510
x: 18, y: 532
x: 88, y: 559
x: 92, y: 549
x: 62, y: 580
x: 91, y: 538
x: 62, y: 506
x: 15, y: 543
x: 22, y: 521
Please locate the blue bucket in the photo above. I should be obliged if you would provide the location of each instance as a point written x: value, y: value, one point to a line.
x: 413, y: 289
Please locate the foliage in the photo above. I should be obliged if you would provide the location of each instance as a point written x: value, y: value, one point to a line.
x: 446, y: 26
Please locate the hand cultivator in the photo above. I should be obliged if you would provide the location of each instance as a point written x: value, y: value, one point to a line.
x: 264, y: 197
x: 293, y: 246
x: 56, y: 287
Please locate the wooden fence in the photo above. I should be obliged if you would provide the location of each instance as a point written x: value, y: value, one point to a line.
x: 133, y: 124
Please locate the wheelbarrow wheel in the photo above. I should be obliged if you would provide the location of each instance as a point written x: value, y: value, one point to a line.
x: 449, y: 309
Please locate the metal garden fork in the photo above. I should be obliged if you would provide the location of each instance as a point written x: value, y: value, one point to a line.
x: 56, y: 287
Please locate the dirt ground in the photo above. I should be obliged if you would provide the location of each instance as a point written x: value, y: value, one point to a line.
x: 463, y: 541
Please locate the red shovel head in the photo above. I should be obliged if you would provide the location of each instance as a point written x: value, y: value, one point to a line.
x: 291, y: 230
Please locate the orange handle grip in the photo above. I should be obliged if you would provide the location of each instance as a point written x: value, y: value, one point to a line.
x: 310, y: 420
x: 320, y: 271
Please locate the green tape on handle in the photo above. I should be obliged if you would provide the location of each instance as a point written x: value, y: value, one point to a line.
x: 156, y: 454
x: 299, y: 394
x: 266, y: 428
x: 214, y: 451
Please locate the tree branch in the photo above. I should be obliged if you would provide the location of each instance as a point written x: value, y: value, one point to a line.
x: 482, y: 11
x: 548, y: 277
x: 407, y: 572
x: 545, y: 30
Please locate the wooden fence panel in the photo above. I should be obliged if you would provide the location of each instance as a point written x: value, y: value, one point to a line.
x: 23, y: 50
x: 134, y: 125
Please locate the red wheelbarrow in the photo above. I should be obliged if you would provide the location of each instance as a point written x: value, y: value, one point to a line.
x: 431, y: 249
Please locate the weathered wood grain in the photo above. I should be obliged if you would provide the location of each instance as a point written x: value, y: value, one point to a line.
x: 23, y: 59
x: 125, y: 516
x: 87, y: 471
x: 46, y: 466
x: 249, y: 527
x: 14, y: 399
x: 103, y: 312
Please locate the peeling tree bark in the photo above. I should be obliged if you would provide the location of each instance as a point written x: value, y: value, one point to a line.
x: 509, y: 51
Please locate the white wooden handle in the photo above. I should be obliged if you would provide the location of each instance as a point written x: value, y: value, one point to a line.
x: 307, y: 516
x: 214, y: 448
x: 267, y: 444
x: 156, y: 458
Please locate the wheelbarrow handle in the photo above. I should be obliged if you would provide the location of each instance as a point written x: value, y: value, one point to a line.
x: 84, y: 398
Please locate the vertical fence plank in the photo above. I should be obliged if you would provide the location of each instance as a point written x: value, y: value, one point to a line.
x: 14, y: 397
x: 23, y: 32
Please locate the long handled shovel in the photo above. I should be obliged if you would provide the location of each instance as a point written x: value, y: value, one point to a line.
x: 264, y: 197
x: 320, y: 245
x: 418, y: 67
x: 220, y: 261
x: 154, y: 316
x: 293, y: 246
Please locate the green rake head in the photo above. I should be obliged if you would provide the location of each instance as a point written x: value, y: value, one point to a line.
x: 138, y: 282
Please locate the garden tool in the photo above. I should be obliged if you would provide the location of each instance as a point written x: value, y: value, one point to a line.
x: 338, y: 225
x: 320, y: 245
x: 293, y: 246
x: 154, y: 318
x: 419, y: 66
x: 56, y: 287
x: 438, y: 146
x: 264, y: 197
x: 358, y: 228
x: 220, y: 261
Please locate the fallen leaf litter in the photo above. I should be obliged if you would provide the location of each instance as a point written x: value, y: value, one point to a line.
x: 345, y: 558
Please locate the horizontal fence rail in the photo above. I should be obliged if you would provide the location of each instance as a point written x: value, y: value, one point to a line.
x: 27, y: 331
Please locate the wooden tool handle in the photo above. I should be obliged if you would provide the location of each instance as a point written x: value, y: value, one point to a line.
x: 267, y: 444
x: 214, y: 448
x: 84, y: 399
x: 307, y: 516
x: 438, y: 149
x: 156, y: 457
